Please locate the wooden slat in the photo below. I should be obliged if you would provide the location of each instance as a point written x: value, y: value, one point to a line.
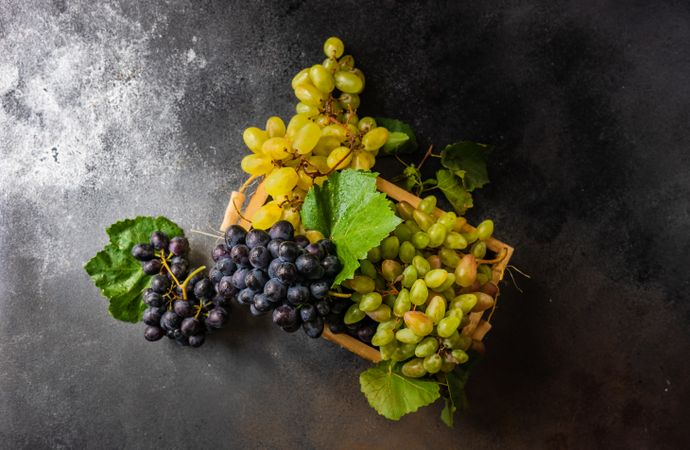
x: 257, y: 201
x: 355, y: 346
x: 232, y: 211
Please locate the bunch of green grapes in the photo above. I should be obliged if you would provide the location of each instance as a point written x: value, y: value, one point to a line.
x: 324, y: 135
x: 420, y: 284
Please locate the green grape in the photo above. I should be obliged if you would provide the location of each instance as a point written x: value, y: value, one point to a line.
x: 407, y: 336
x: 367, y: 268
x: 388, y: 350
x: 478, y: 249
x: 450, y: 281
x: 339, y: 158
x: 359, y: 74
x: 350, y: 118
x: 389, y: 299
x: 420, y: 240
x: 374, y: 254
x: 383, y: 337
x: 448, y: 257
x: 324, y: 147
x: 418, y: 292
x: 470, y: 236
x: 435, y: 278
x: 457, y: 341
x: 447, y: 366
x: 466, y: 271
x: 426, y: 347
x: 432, y: 363
x: 404, y: 210
x: 403, y: 352
x: 375, y: 139
x: 336, y: 131
x: 322, y: 120
x: 482, y: 278
x: 485, y: 230
x: 409, y: 276
x: 256, y: 164
x: 465, y: 302
x: 434, y: 261
x: 330, y: 64
x: 370, y: 301
x: 366, y: 124
x: 361, y: 284
x: 460, y: 356
x: 436, y: 309
x: 450, y: 292
x: 281, y: 181
x: 406, y: 252
x: 349, y: 101
x: 424, y: 220
x: 455, y: 241
x: 402, y: 303
x: 389, y: 247
x: 421, y: 264
x: 321, y: 78
x: 296, y: 123
x: 447, y: 219
x: 254, y: 138
x: 485, y: 269
x: 347, y: 62
x: 456, y: 313
x: 447, y: 326
x: 403, y: 232
x: 275, y: 127
x: 307, y: 110
x: 412, y: 225
x: 437, y: 234
x: 391, y: 269
x: 333, y: 47
x: 353, y: 314
x: 414, y: 368
x: 301, y: 78
x: 428, y: 204
x: 392, y: 325
x: 348, y: 82
x: 307, y: 138
x: 356, y: 297
x: 309, y: 94
x: 380, y: 284
x: 380, y: 314
x: 418, y: 322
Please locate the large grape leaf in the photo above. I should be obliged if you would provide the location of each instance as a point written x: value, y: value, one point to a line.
x: 117, y: 274
x: 468, y: 161
x: 392, y: 394
x: 349, y: 210
x: 456, y: 194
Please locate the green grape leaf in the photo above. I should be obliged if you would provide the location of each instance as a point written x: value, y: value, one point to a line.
x: 401, y: 138
x: 392, y: 394
x: 450, y: 185
x: 117, y: 274
x: 349, y: 210
x: 468, y: 161
x: 456, y: 400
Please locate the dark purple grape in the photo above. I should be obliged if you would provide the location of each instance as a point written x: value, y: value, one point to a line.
x: 153, y: 333
x: 178, y: 246
x: 170, y: 334
x: 222, y: 301
x: 153, y: 298
x: 234, y: 235
x: 245, y: 297
x: 256, y: 238
x: 240, y: 255
x: 226, y: 266
x: 314, y: 328
x: 142, y: 252
x: 219, y: 252
x: 366, y: 332
x: 352, y: 328
x: 256, y: 312
x: 288, y: 251
x: 238, y: 278
x: 319, y: 289
x: 286, y: 272
x: 282, y: 230
x: 316, y: 251
x: 275, y: 290
x: 273, y: 247
x: 297, y: 295
x: 152, y: 316
x: 204, y: 289
x: 226, y: 287
x: 215, y: 275
x: 217, y: 317
x: 152, y: 267
x: 331, y: 265
x: 301, y: 241
x: 273, y: 266
x: 184, y: 308
x: 256, y: 279
x: 337, y: 327
x: 170, y: 320
x: 292, y: 328
x: 197, y: 340
x: 191, y: 326
x: 180, y: 260
x: 328, y: 246
x: 339, y: 306
x: 179, y: 270
x: 160, y: 284
x: 181, y: 339
x: 285, y: 316
x: 309, y: 267
x: 262, y: 303
x: 323, y: 308
x: 259, y: 257
x: 308, y: 313
x: 159, y: 240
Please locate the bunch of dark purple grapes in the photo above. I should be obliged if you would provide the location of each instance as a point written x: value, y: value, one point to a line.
x: 182, y: 305
x: 279, y: 272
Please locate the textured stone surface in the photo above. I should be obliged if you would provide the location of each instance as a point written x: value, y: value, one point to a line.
x: 113, y: 109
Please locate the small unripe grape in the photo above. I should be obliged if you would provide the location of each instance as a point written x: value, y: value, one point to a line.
x: 485, y: 230
x: 366, y: 124
x: 403, y: 232
x: 470, y: 236
x: 465, y: 302
x: 389, y: 247
x: 460, y: 356
x: 478, y: 250
x: 407, y: 336
x: 450, y: 281
x: 331, y: 64
x: 277, y: 148
x: 367, y: 268
x: 421, y: 264
x: 403, y: 352
x: 333, y: 47
x: 434, y: 261
x: 347, y: 62
x: 420, y: 240
x: 353, y: 314
x: 448, y: 257
x: 374, y: 254
x: 406, y: 252
x: 349, y: 101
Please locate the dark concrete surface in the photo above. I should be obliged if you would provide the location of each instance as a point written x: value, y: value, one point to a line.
x: 112, y: 109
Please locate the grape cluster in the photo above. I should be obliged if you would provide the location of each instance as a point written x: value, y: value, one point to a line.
x: 419, y: 286
x: 281, y: 273
x: 325, y: 135
x: 182, y: 305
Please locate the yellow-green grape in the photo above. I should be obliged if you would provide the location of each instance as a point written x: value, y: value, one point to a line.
x: 333, y: 47
x: 307, y: 110
x: 478, y: 250
x: 322, y: 120
x: 301, y: 78
x: 266, y: 216
x: 281, y: 181
x: 351, y: 129
x: 412, y: 225
x: 434, y: 261
x: 291, y: 215
x: 361, y: 284
x: 383, y: 337
x: 336, y: 131
x: 351, y: 118
x: 459, y: 224
x: 420, y: 240
x: 306, y: 138
x: 348, y: 82
x: 426, y: 347
x: 366, y: 124
x: 470, y: 236
x: 404, y: 210
x: 347, y: 62
x: 485, y: 230
x: 362, y: 160
x: 421, y: 264
x: 304, y: 181
x: 437, y: 235
x: 389, y: 299
x: 389, y: 247
x: 254, y: 138
x: 309, y: 94
x: 375, y: 139
x: 450, y: 292
x: 457, y: 313
x: 447, y: 219
x: 436, y: 309
x: 466, y: 272
x: 460, y: 356
x: 277, y: 148
x: 349, y: 101
x: 435, y: 278
x: 407, y: 336
x: 256, y: 164
x: 391, y: 269
x: 457, y: 341
x: 450, y: 281
x: 409, y: 276
x: 356, y: 297
x: 455, y: 240
x: 403, y: 232
x: 447, y: 326
x: 428, y: 204
x: 388, y: 350
x: 414, y: 368
x: 424, y: 220
x: 407, y: 252
x: 374, y: 254
x: 485, y: 271
x: 321, y: 78
x: 405, y: 351
x: 353, y: 314
x: 330, y: 64
x: 325, y: 145
x: 367, y: 268
x: 380, y: 284
x: 448, y: 257
x: 275, y: 127
x: 380, y: 314
x: 370, y: 301
x: 402, y: 303
x: 465, y: 302
x: 418, y: 322
x: 432, y: 363
x: 447, y: 366
x: 339, y: 158
x: 359, y: 74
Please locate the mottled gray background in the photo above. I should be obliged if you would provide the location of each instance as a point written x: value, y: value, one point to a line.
x: 112, y: 109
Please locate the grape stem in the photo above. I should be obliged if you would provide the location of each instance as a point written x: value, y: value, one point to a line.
x: 498, y: 259
x: 248, y: 182
x: 165, y: 265
x: 186, y: 282
x: 426, y: 156
x: 339, y: 294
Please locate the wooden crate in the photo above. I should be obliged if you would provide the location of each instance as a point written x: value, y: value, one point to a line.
x: 476, y: 329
